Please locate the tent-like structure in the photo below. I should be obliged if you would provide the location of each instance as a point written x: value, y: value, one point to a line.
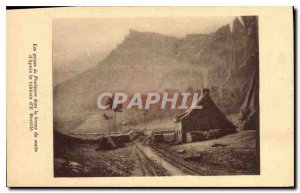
x: 208, y: 118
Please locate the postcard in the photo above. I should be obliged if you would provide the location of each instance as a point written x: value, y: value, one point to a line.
x: 150, y: 97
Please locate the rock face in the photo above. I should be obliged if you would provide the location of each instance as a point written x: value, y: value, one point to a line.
x: 250, y: 108
x: 147, y: 62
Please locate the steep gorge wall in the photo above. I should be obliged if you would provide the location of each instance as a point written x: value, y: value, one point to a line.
x: 147, y: 62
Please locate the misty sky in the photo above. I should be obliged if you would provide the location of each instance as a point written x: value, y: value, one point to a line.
x: 87, y: 41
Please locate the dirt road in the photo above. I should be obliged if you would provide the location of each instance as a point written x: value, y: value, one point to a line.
x: 137, y: 158
x: 156, y: 162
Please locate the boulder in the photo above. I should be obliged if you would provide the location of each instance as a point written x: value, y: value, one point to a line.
x: 219, y: 145
x: 181, y: 151
x: 195, y: 158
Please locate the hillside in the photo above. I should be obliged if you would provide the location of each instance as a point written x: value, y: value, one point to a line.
x: 146, y: 62
x: 234, y: 154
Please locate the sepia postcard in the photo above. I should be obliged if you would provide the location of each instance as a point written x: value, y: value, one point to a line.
x: 150, y: 97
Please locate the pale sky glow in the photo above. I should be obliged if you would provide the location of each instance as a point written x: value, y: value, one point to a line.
x: 74, y: 37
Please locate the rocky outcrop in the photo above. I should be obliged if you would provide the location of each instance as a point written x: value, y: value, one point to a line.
x: 250, y: 108
x: 63, y: 142
x: 146, y: 62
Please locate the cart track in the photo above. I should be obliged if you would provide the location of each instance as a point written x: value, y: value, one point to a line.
x: 148, y: 168
x: 191, y: 170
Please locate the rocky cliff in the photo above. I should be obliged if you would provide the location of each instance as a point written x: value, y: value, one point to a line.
x: 146, y: 62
